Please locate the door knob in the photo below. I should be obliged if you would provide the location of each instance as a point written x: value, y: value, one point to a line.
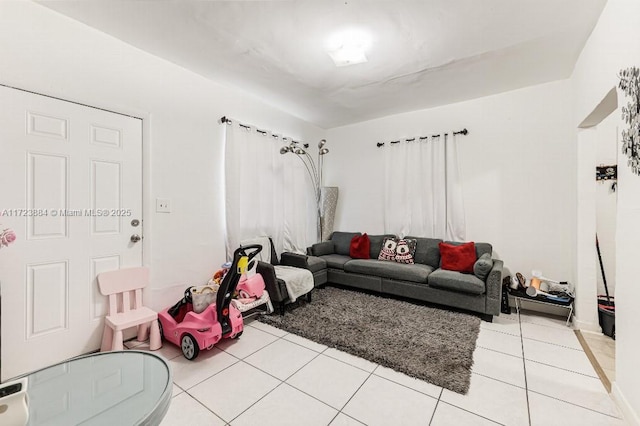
x: 135, y: 238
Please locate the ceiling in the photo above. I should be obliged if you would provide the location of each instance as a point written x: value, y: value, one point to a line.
x: 422, y: 53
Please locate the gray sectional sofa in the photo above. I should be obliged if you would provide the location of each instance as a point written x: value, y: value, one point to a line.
x: 424, y: 280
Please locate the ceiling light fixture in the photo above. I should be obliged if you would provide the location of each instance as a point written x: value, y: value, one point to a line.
x: 348, y: 47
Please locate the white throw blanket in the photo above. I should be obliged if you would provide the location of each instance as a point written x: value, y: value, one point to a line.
x: 297, y: 280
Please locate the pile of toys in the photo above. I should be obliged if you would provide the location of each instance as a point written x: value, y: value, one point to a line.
x: 219, y: 275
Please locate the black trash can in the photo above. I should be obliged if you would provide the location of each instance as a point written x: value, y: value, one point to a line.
x: 607, y: 316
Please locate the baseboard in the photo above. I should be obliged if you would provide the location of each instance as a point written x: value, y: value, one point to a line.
x: 628, y: 412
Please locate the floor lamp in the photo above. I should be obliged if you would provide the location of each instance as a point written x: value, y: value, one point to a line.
x: 315, y: 173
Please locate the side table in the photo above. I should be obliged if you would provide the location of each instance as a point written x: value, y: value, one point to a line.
x: 104, y: 388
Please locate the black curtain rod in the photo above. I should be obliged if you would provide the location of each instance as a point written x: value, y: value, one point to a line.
x: 225, y: 120
x: 459, y: 132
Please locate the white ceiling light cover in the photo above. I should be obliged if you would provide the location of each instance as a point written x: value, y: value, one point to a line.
x: 349, y: 47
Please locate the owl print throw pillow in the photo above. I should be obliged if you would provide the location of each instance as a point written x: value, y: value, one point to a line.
x: 405, y: 250
x: 401, y: 250
x: 388, y: 251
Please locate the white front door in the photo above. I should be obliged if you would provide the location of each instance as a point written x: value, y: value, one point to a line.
x: 70, y: 187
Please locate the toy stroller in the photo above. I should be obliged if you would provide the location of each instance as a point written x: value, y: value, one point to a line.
x: 193, y: 331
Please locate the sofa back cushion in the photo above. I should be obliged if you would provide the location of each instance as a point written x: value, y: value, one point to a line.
x: 482, y: 248
x: 375, y: 244
x: 342, y: 241
x: 427, y: 251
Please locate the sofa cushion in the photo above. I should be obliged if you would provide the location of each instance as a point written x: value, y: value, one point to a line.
x: 320, y: 249
x: 375, y: 244
x: 458, y: 257
x: 415, y: 273
x: 359, y: 248
x: 316, y: 264
x: 342, y: 241
x: 456, y: 281
x: 427, y: 251
x: 483, y: 266
x: 335, y: 261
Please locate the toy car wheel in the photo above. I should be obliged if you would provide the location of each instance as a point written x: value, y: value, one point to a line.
x: 237, y: 335
x: 189, y: 346
x: 161, y: 330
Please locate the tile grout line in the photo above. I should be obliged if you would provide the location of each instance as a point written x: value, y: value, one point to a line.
x: 258, y: 400
x: 204, y: 405
x: 563, y: 369
x: 475, y: 414
x: 576, y: 405
x: 554, y: 344
x: 356, y: 391
x: 524, y: 366
x: 498, y: 380
x: 408, y: 387
x: 436, y: 407
x: 373, y: 372
x: 346, y: 415
x: 355, y: 366
x: 284, y: 381
x: 280, y: 380
x: 339, y: 360
x: 269, y: 374
x: 214, y: 374
x: 497, y: 351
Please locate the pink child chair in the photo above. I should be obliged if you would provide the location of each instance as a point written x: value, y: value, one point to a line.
x: 124, y: 288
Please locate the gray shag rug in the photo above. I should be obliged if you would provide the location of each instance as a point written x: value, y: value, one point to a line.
x: 435, y: 345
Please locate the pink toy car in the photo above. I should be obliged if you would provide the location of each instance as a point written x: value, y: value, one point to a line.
x: 193, y: 331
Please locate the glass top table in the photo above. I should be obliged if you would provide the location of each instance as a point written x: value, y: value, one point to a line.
x: 105, y: 388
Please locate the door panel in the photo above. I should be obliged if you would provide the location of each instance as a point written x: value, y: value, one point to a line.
x: 72, y: 183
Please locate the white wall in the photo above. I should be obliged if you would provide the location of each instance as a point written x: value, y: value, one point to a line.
x: 49, y: 53
x: 517, y: 166
x: 613, y: 45
x: 607, y: 147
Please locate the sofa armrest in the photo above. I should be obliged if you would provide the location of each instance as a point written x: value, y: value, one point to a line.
x: 294, y: 259
x: 268, y: 273
x: 494, y: 288
x: 320, y: 249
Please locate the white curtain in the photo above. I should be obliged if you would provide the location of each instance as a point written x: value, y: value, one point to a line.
x: 422, y: 192
x: 266, y: 193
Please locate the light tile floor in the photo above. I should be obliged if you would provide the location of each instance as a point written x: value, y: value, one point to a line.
x: 528, y: 370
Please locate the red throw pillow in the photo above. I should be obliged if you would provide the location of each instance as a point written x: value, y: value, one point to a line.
x: 458, y: 258
x: 359, y: 248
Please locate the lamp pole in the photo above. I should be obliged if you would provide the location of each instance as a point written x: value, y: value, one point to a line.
x: 315, y: 173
